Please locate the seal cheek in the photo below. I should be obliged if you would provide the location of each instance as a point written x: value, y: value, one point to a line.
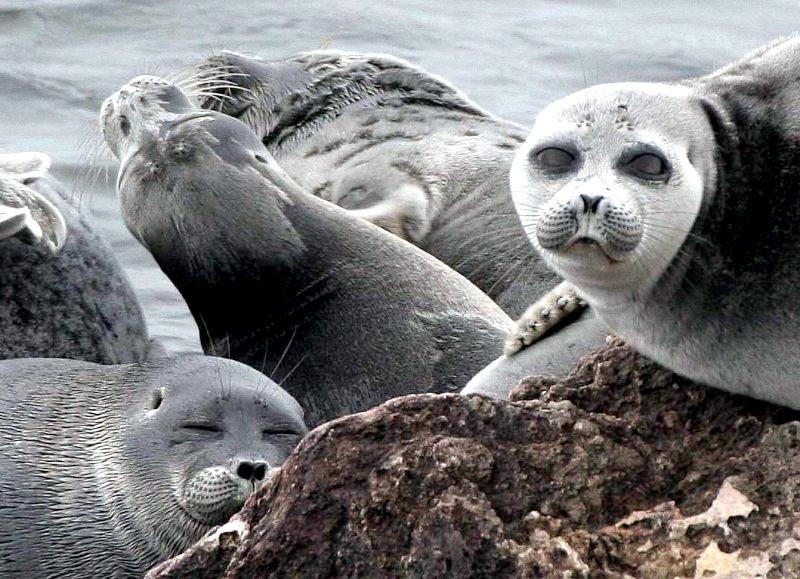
x: 557, y: 225
x: 213, y: 495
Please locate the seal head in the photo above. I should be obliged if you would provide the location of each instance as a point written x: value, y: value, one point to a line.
x: 610, y: 182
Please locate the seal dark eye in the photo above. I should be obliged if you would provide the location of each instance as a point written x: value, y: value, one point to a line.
x: 158, y: 398
x: 124, y: 125
x: 648, y: 166
x: 199, y: 427
x: 554, y: 158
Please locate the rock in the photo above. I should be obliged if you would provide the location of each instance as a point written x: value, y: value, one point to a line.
x: 620, y: 470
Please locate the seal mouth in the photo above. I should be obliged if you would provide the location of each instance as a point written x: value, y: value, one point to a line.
x: 584, y: 244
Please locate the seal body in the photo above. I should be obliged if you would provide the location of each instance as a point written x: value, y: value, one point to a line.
x: 343, y: 314
x: 397, y: 146
x: 62, y: 292
x: 673, y: 210
x: 107, y: 470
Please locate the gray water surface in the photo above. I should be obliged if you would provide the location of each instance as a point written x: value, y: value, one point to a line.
x: 60, y: 58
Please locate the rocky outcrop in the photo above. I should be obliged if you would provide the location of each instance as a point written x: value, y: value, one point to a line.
x: 621, y: 470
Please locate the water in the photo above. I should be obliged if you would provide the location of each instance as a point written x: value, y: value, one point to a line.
x: 60, y: 58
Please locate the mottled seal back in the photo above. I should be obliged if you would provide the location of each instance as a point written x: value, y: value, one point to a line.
x: 395, y: 145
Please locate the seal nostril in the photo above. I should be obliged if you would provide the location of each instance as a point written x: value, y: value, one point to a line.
x: 591, y: 203
x: 252, y: 471
x: 245, y: 470
x: 260, y: 471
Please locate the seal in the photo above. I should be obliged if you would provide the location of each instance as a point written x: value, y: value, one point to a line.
x: 107, y: 470
x: 275, y: 277
x: 395, y: 145
x: 672, y: 209
x: 62, y: 292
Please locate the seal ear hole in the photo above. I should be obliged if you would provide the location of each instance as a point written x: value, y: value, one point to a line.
x: 157, y: 399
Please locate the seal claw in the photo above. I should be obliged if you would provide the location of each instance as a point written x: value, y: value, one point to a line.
x: 543, y: 316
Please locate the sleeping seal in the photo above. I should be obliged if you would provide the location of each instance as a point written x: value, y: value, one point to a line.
x: 348, y: 314
x: 394, y: 145
x: 62, y: 292
x: 107, y: 470
x: 673, y: 209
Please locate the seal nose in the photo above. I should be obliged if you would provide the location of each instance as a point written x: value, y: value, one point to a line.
x: 591, y: 203
x: 252, y: 471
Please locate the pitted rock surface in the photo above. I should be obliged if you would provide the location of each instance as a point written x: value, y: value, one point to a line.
x: 620, y: 470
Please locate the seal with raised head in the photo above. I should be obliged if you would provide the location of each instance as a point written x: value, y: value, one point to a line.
x: 395, y: 145
x: 107, y: 470
x: 62, y: 292
x: 275, y: 277
x: 673, y: 209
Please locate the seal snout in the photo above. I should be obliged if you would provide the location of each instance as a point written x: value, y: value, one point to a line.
x: 614, y: 226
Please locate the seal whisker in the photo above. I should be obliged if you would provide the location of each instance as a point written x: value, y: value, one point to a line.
x: 285, y: 350
x: 295, y: 367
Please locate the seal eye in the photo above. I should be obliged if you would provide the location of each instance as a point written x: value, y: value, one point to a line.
x: 124, y: 125
x: 554, y: 158
x: 648, y: 166
x: 200, y: 427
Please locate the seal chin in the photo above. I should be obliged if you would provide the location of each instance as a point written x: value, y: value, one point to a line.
x: 589, y: 263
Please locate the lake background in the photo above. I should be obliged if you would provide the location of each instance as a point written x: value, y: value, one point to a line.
x: 60, y: 58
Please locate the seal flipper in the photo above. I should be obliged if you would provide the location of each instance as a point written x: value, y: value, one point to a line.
x: 553, y: 355
x: 28, y: 215
x: 555, y: 308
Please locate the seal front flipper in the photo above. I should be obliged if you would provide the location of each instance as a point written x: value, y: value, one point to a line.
x: 26, y: 214
x: 554, y: 354
x: 544, y: 315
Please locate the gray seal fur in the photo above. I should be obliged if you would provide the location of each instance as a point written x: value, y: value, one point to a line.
x: 107, y: 470
x: 395, y: 145
x: 275, y: 277
x: 673, y: 209
x: 62, y: 292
